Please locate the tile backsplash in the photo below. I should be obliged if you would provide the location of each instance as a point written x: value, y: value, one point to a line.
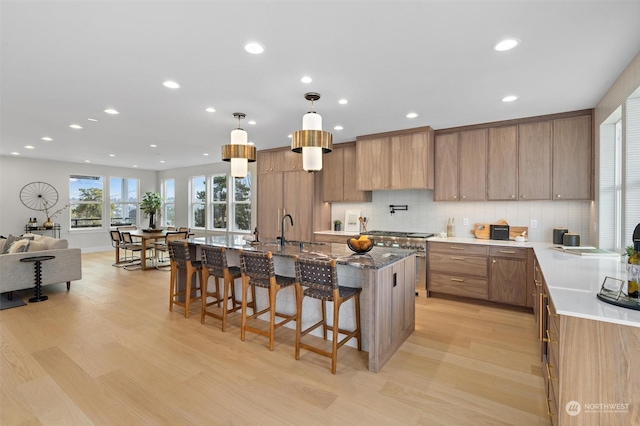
x: 425, y: 215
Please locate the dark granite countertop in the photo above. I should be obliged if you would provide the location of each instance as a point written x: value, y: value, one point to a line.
x: 377, y: 258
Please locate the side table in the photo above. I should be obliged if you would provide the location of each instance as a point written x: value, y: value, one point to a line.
x: 37, y: 260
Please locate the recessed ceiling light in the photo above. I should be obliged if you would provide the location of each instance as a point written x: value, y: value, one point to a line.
x: 171, y: 84
x: 306, y: 79
x: 112, y: 111
x: 92, y: 119
x: 87, y: 161
x: 112, y: 155
x: 252, y: 122
x: 251, y: 143
x: 509, y: 98
x: 75, y: 126
x: 289, y: 136
x: 210, y: 109
x: 29, y: 147
x: 338, y: 128
x: 135, y: 166
x: 15, y: 153
x: 506, y: 44
x: 206, y: 154
x: 343, y: 101
x: 412, y: 115
x: 254, y: 48
x: 162, y: 161
x: 153, y: 146
x: 47, y: 138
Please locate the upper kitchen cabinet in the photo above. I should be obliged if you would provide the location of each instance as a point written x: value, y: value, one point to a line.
x: 395, y: 160
x: 572, y: 158
x: 339, y: 175
x: 280, y: 160
x: 461, y: 160
x: 535, y: 141
x: 502, y: 163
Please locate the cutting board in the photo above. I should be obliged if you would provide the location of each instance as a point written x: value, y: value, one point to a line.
x: 483, y: 230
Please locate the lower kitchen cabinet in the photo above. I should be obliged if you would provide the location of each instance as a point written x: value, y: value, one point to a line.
x: 478, y: 271
x: 508, y: 275
x: 587, y: 367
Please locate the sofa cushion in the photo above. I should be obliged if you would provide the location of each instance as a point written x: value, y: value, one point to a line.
x: 54, y: 243
x: 37, y: 246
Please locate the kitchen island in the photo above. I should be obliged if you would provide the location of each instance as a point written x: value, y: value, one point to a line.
x: 386, y: 276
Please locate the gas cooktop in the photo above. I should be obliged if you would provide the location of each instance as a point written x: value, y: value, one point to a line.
x: 398, y: 234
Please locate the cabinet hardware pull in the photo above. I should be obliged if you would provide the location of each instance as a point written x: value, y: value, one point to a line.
x: 559, y: 196
x: 549, y: 375
x: 464, y: 197
x: 553, y: 314
x: 456, y: 258
x: 549, y: 339
x: 549, y: 413
x: 538, y: 283
x: 507, y: 251
x: 495, y: 261
x: 458, y: 280
x: 456, y: 248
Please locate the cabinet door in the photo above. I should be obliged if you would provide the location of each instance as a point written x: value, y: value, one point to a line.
x: 502, y: 164
x: 270, y: 202
x: 572, y: 154
x: 472, y: 158
x: 350, y: 192
x: 298, y: 202
x: 269, y: 161
x: 290, y: 160
x: 372, y: 170
x: 534, y: 160
x: 446, y: 167
x: 410, y: 155
x: 508, y: 281
x: 333, y: 184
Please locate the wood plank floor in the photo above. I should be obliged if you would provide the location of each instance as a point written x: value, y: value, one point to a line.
x: 109, y: 352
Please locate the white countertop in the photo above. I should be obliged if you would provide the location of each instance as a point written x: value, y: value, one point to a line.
x: 573, y: 280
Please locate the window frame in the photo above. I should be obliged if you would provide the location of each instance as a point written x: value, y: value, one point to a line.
x: 101, y: 204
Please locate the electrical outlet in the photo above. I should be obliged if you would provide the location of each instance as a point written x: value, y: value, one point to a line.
x: 465, y: 221
x: 533, y: 224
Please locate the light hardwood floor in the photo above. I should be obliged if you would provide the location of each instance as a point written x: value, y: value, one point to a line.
x: 109, y: 352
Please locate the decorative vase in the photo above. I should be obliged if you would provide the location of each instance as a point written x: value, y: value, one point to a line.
x: 48, y: 224
x: 152, y: 221
x: 337, y: 227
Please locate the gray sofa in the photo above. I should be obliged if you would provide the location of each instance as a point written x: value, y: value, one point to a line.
x: 16, y: 275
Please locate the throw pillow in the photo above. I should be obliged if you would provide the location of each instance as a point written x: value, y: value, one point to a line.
x: 19, y: 246
x: 11, y: 239
x: 37, y: 246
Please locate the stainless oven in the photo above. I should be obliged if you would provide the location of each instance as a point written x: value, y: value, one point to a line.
x: 409, y: 240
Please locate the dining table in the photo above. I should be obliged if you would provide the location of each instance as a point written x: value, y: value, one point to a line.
x: 145, y: 237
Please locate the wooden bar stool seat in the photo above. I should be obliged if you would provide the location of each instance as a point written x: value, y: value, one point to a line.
x: 258, y: 271
x: 320, y: 279
x: 181, y: 263
x: 214, y: 264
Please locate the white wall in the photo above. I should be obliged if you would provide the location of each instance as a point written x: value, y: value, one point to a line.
x: 425, y: 215
x: 16, y: 172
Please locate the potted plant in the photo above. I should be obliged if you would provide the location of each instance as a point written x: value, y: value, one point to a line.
x: 150, y: 206
x: 337, y: 225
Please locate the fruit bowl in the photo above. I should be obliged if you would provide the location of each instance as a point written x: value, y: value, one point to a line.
x: 360, y: 246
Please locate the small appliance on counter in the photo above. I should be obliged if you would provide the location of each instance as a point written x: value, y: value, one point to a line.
x: 499, y: 232
x: 558, y: 234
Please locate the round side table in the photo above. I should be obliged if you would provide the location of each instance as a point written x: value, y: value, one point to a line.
x: 37, y: 260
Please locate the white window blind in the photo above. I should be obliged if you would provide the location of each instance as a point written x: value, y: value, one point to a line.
x: 632, y: 167
x: 607, y: 213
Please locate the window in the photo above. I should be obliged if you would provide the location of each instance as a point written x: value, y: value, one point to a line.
x: 86, y: 201
x: 169, y: 202
x: 241, y: 204
x: 123, y: 195
x: 219, y: 201
x: 198, y: 200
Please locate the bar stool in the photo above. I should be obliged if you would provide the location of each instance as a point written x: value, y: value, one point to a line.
x: 258, y: 271
x: 181, y: 262
x: 321, y: 281
x: 214, y: 264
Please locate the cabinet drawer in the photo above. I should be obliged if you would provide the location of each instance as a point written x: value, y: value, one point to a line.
x: 458, y: 248
x: 461, y: 264
x: 476, y: 288
x: 552, y: 405
x: 517, y: 252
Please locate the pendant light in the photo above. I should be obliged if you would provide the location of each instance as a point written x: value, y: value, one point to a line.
x: 239, y: 153
x: 311, y: 141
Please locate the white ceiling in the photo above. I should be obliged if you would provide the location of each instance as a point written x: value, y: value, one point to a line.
x: 63, y: 62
